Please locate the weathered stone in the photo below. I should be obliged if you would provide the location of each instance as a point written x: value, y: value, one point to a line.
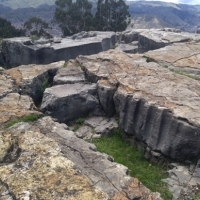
x: 32, y: 80
x: 127, y: 48
x: 69, y: 102
x: 42, y: 171
x: 157, y: 106
x: 151, y: 39
x: 14, y: 106
x: 102, y: 125
x: 68, y: 75
x: 106, y: 92
x: 182, y: 58
x: 95, y: 127
x: 44, y: 164
x: 6, y: 85
x: 21, y: 51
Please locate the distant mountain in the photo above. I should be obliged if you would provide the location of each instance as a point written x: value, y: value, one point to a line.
x: 147, y: 21
x: 145, y: 14
x: 181, y: 16
x: 20, y: 15
x: 25, y: 3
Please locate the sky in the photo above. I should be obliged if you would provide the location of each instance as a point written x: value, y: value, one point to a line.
x: 191, y: 2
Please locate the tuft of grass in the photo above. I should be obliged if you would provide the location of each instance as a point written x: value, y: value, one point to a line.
x: 149, y: 59
x: 79, y: 122
x: 65, y: 64
x: 44, y: 85
x: 34, y: 37
x: 184, y: 74
x: 28, y: 118
x: 196, y: 196
x: 150, y: 175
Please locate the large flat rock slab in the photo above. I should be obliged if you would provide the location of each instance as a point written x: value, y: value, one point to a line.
x: 180, y: 57
x: 55, y: 159
x: 69, y: 74
x: 70, y: 101
x: 33, y: 167
x: 151, y: 39
x: 23, y: 51
x: 159, y: 107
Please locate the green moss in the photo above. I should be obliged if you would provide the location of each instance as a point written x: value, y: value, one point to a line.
x: 149, y: 174
x: 28, y: 118
x: 184, y: 74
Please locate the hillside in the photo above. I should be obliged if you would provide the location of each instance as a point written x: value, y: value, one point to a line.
x: 148, y: 21
x: 145, y: 14
x: 25, y: 3
x: 184, y: 17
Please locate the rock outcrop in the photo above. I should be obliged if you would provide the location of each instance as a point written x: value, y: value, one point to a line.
x: 154, y: 95
x: 70, y: 101
x: 44, y: 159
x: 154, y: 104
x: 23, y: 51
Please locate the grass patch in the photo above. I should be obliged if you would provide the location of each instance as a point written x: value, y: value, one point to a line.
x: 65, y: 64
x: 28, y: 118
x: 122, y: 152
x: 196, y: 196
x: 79, y: 122
x: 184, y: 74
x: 34, y: 37
x: 44, y: 85
x: 149, y: 59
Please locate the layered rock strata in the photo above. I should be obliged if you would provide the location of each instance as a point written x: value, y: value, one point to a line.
x: 154, y: 104
x: 23, y: 51
x: 44, y: 159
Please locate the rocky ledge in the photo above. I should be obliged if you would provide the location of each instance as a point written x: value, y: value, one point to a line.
x: 23, y: 51
x: 154, y: 95
x: 154, y: 104
x: 45, y: 159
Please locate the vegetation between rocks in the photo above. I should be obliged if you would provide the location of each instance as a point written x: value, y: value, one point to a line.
x: 79, y: 122
x: 150, y: 175
x: 184, y: 74
x: 28, y: 118
x: 44, y: 85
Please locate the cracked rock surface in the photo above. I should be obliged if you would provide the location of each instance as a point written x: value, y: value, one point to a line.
x: 184, y: 181
x: 156, y: 105
x: 54, y: 161
x: 45, y: 160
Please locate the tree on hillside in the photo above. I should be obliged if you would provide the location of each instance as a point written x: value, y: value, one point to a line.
x: 111, y: 15
x: 7, y: 30
x: 36, y: 26
x: 73, y: 17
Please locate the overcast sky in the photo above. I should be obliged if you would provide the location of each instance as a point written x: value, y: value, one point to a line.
x: 191, y: 2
